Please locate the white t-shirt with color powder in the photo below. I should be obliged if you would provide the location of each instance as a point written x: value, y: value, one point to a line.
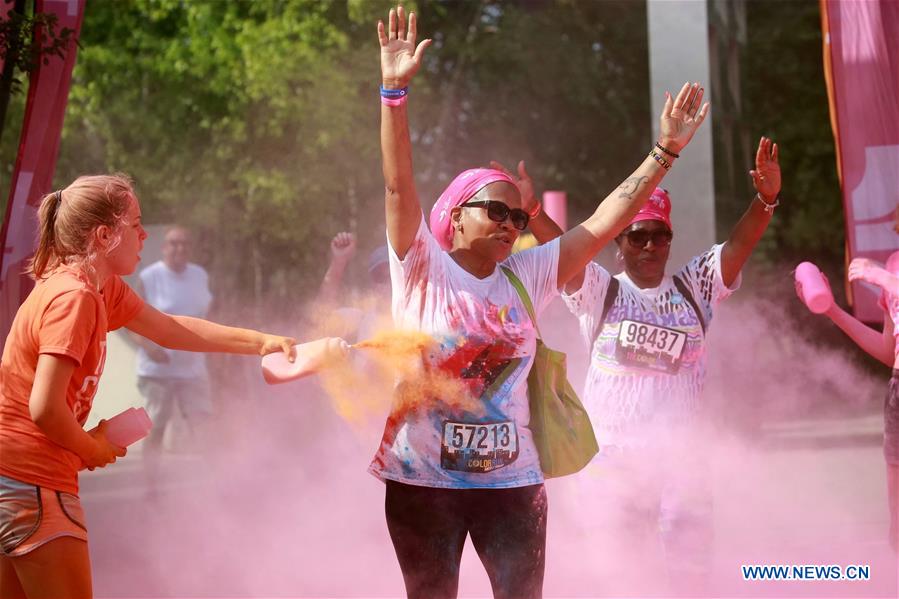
x: 485, y: 344
x: 183, y: 293
x: 648, y: 360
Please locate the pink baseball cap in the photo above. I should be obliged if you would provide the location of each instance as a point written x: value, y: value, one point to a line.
x: 463, y: 188
x: 657, y: 207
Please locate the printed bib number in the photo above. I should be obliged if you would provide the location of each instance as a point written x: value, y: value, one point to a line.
x: 480, y: 447
x: 649, y: 346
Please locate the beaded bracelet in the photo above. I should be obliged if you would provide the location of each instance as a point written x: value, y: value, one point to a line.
x: 660, y: 159
x: 393, y: 101
x: 667, y: 151
x: 394, y: 93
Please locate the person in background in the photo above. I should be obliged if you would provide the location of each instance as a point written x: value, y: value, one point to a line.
x: 173, y: 382
x: 343, y: 249
x: 357, y: 314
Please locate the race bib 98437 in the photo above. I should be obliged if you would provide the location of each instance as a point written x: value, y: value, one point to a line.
x: 649, y: 346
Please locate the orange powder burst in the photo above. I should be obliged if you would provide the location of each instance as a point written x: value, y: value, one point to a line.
x: 364, y: 386
x: 400, y: 344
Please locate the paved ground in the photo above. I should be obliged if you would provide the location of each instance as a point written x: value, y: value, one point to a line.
x: 252, y: 523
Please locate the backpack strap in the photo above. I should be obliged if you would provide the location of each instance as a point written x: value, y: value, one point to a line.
x: 611, y: 296
x: 685, y: 291
x: 523, y: 294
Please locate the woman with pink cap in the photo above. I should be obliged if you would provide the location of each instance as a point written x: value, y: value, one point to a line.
x: 459, y: 464
x: 647, y: 337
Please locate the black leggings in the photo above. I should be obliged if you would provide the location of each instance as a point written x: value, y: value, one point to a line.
x: 507, y: 526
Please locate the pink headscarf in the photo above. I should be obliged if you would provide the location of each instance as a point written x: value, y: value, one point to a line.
x: 463, y: 188
x: 657, y: 207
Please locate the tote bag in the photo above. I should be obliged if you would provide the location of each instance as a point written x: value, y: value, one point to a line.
x: 559, y: 423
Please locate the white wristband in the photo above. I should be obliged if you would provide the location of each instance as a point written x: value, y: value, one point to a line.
x: 769, y: 208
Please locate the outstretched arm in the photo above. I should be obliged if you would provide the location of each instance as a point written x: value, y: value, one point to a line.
x: 877, y: 345
x: 680, y: 119
x: 400, y: 60
x: 751, y: 227
x: 195, y: 334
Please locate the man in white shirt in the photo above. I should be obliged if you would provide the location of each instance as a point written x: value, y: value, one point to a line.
x: 172, y: 380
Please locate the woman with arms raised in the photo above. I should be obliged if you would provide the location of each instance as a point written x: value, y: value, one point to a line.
x: 647, y: 334
x: 457, y: 467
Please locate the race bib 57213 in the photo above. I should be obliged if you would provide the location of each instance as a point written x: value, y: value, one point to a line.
x: 478, y: 447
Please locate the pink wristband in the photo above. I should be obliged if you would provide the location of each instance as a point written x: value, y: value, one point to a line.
x: 393, y: 101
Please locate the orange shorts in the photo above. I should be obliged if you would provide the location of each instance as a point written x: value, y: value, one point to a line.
x: 31, y: 516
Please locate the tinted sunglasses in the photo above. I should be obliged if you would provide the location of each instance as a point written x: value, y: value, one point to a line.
x: 499, y: 212
x: 638, y: 238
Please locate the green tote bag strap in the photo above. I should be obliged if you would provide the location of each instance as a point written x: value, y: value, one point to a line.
x: 523, y: 294
x: 560, y: 426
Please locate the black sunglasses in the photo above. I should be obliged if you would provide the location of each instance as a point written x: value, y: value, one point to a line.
x: 499, y: 212
x: 639, y: 237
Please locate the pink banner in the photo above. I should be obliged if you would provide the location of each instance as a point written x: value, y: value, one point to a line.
x: 861, y: 43
x: 48, y: 92
x: 555, y: 203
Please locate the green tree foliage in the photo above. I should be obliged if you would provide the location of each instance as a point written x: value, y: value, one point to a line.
x: 786, y: 99
x: 257, y: 122
x: 241, y: 119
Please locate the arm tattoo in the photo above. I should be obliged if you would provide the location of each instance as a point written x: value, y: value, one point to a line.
x: 630, y: 187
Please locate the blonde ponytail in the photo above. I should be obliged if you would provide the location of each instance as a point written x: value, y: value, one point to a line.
x: 68, y: 219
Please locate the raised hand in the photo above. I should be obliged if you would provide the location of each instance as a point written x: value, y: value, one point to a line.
x: 860, y: 269
x: 681, y: 117
x: 343, y: 246
x: 766, y: 176
x: 400, y: 57
x: 525, y: 185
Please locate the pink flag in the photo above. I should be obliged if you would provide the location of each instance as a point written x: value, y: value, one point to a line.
x: 48, y: 93
x: 861, y: 43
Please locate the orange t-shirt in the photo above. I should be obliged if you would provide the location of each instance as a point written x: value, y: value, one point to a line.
x: 63, y: 315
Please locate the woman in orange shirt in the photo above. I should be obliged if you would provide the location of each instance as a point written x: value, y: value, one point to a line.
x: 90, y: 235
